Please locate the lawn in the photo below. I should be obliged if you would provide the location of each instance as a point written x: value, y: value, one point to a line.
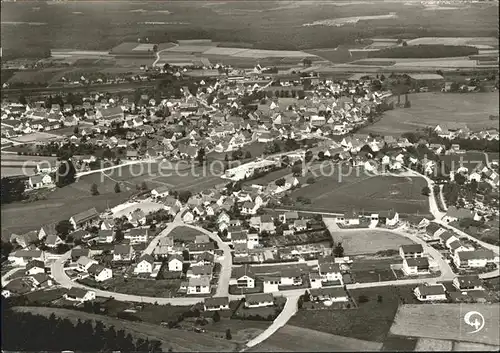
x: 268, y: 312
x: 291, y: 338
x: 399, y: 344
x: 362, y: 242
x: 469, y: 160
x: 177, y: 340
x: 430, y: 109
x: 256, y: 149
x: 445, y: 322
x: 373, y: 270
x: 166, y: 288
x: 241, y: 330
x: 270, y: 177
x: 371, y: 321
x: 347, y: 190
x: 41, y: 297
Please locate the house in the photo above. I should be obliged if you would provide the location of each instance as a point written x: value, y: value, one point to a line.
x: 136, y: 235
x: 23, y: 257
x: 315, y: 280
x: 198, y: 248
x: 34, y: 267
x: 434, y: 230
x: 187, y: 216
x: 145, y: 264
x: 137, y: 217
x: 100, y: 273
x: 79, y: 295
x: 418, y: 222
x: 79, y: 252
x: 334, y: 294
x: 289, y: 217
x: 390, y: 218
x: 411, y: 251
x: 46, y: 230
x: 457, y: 246
x: 200, y: 271
x: 53, y: 241
x: 199, y: 285
x: 300, y: 225
x: 455, y: 214
x: 259, y: 300
x: 446, y: 238
x: 85, y: 218
x: 26, y: 239
x: 416, y: 266
x: 252, y: 240
x: 84, y: 263
x: 242, y: 277
x: 291, y: 277
x: 175, y: 263
x: 351, y: 218
x: 468, y: 283
x: 427, y: 293
x: 330, y: 272
x: 249, y: 208
x: 473, y: 259
x: 216, y: 303
x: 105, y: 236
x: 160, y: 191
x: 271, y: 283
x: 122, y: 253
x: 41, y: 280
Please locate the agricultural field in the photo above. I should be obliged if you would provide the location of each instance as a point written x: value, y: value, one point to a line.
x: 399, y: 344
x: 297, y: 339
x: 363, y: 242
x: 370, y: 321
x: 36, y: 136
x: 444, y: 322
x: 264, y: 25
x: 344, y: 191
x: 480, y: 42
x: 367, y: 270
x: 469, y: 160
x: 430, y: 109
x: 36, y: 76
x: 165, y: 288
x: 177, y: 340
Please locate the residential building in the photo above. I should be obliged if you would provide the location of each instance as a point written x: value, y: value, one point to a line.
x: 198, y: 285
x: 473, y: 259
x: 145, y: 264
x: 334, y: 294
x: 122, y: 252
x: 430, y: 292
x: 79, y: 295
x: 243, y: 277
x: 100, y: 273
x: 83, y: 219
x: 259, y: 300
x: 416, y: 266
x: 330, y: 272
x: 216, y: 303
x: 411, y: 250
x: 468, y: 283
x: 175, y: 263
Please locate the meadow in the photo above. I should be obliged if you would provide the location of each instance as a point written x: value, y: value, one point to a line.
x: 363, y: 193
x: 369, y: 241
x: 444, y: 322
x: 430, y: 109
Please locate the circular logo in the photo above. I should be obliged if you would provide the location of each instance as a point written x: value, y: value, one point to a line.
x: 475, y: 320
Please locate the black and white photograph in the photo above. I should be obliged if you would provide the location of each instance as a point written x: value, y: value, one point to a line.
x: 249, y: 176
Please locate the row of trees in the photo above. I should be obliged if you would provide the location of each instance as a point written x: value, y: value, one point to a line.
x: 55, y: 334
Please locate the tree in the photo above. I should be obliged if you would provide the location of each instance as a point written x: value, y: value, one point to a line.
x: 338, y: 251
x: 184, y: 195
x: 22, y: 100
x: 297, y: 169
x: 66, y: 173
x: 310, y: 180
x: 93, y: 189
x: 12, y: 190
x: 380, y: 299
x: 405, y: 44
x: 226, y: 158
x: 363, y: 299
x: 216, y: 317
x: 248, y: 155
x: 63, y: 228
x: 228, y: 334
x: 76, y: 130
x: 280, y: 182
x: 144, y: 186
x: 117, y: 188
x: 426, y: 191
x: 119, y: 236
x: 201, y: 155
x: 460, y: 179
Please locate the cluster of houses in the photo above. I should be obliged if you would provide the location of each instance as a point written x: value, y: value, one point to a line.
x: 453, y: 130
x: 463, y: 286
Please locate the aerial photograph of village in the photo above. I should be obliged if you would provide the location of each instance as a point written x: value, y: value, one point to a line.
x: 250, y: 176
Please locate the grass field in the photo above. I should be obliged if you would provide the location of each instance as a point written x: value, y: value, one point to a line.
x: 444, y: 322
x: 360, y: 192
x: 371, y: 321
x: 297, y: 339
x: 178, y: 340
x: 430, y: 109
x: 365, y: 270
x: 469, y: 160
x: 369, y: 241
x: 399, y: 344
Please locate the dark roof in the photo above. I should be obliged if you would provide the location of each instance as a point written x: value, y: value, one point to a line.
x: 469, y: 281
x: 245, y: 270
x: 76, y: 292
x: 476, y: 254
x: 216, y: 302
x: 35, y: 263
x: 329, y: 267
x: 446, y: 235
x: 431, y: 290
x: 259, y: 298
x: 146, y: 257
x: 412, y: 248
x: 85, y: 215
x: 201, y: 246
x: 418, y: 262
x: 122, y: 249
x: 79, y: 252
x: 432, y: 228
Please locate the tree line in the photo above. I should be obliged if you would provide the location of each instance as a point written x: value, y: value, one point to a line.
x: 56, y: 334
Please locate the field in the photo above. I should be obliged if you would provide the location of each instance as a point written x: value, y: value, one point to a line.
x: 36, y: 136
x: 445, y: 321
x: 143, y: 287
x: 429, y: 344
x: 371, y: 321
x: 185, y: 233
x: 344, y: 191
x: 264, y: 25
x: 177, y: 340
x: 482, y: 41
x: 469, y: 160
x: 365, y: 270
x: 364, y: 242
x: 430, y: 109
x: 296, y: 339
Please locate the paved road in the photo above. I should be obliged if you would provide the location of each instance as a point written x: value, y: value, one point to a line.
x: 113, y: 167
x: 288, y: 311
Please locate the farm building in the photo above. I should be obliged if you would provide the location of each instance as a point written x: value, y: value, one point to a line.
x: 426, y: 80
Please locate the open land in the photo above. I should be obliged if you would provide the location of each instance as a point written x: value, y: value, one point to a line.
x: 363, y: 193
x: 371, y: 321
x: 369, y: 241
x: 445, y: 321
x: 430, y: 109
x: 297, y: 339
x: 178, y: 340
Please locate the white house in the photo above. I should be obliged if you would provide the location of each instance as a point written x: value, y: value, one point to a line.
x: 34, y: 267
x: 271, y: 283
x: 334, y: 294
x: 468, y: 283
x: 79, y: 295
x: 426, y: 293
x: 259, y: 300
x: 249, y: 208
x: 83, y: 263
x: 330, y: 272
x: 473, y: 259
x: 175, y: 263
x: 145, y: 264
x: 411, y: 251
x: 187, y: 216
x: 216, y: 303
x: 252, y: 240
x: 315, y: 280
x: 100, y: 273
x: 242, y: 277
x: 199, y: 285
x: 416, y: 266
x: 160, y: 191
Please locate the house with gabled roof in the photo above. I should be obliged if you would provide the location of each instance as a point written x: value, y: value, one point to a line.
x: 243, y: 277
x: 434, y: 230
x: 216, y: 303
x: 416, y: 266
x: 433, y: 292
x: 122, y: 252
x: 144, y: 265
x: 468, y: 283
x: 100, y: 273
x: 79, y: 295
x: 85, y: 218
